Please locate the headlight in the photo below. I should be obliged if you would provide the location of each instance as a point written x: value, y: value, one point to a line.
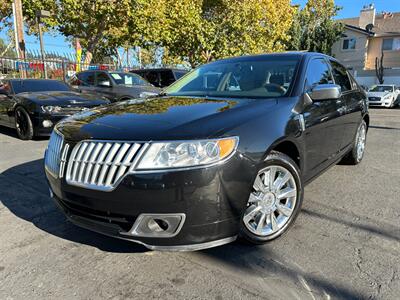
x: 178, y: 154
x: 51, y: 109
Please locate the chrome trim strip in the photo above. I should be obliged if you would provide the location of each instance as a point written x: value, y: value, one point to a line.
x: 133, y: 230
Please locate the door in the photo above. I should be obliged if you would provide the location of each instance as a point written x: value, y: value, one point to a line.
x: 86, y: 80
x: 322, y: 120
x: 5, y: 103
x: 104, y: 86
x: 353, y: 98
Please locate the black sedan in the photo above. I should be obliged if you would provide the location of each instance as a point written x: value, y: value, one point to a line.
x: 34, y: 106
x: 225, y: 153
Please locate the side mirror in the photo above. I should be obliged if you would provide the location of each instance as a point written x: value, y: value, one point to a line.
x: 3, y: 92
x: 104, y: 84
x: 323, y: 92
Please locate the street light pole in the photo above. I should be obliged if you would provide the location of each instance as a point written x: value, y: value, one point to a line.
x: 39, y: 15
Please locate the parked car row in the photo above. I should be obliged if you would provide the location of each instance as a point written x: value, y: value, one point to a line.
x: 34, y: 106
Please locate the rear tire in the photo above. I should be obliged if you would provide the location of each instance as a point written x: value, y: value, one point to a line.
x: 355, y: 156
x: 274, y: 202
x: 23, y: 124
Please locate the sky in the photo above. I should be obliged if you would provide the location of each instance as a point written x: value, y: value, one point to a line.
x: 350, y: 8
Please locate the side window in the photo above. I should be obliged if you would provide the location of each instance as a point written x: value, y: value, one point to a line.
x: 103, y: 79
x: 152, y: 77
x: 86, y: 77
x: 317, y: 73
x: 340, y: 76
x: 167, y: 78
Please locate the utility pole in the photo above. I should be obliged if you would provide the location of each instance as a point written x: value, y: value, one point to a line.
x: 39, y: 15
x: 19, y: 33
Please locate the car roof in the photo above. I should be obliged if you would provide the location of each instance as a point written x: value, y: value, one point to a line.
x: 32, y: 79
x: 287, y: 54
x: 159, y: 69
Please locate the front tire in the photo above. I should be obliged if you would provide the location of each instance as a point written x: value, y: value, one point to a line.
x: 23, y: 124
x: 275, y: 200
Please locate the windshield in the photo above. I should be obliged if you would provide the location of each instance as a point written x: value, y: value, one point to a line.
x: 257, y: 77
x: 382, y: 88
x: 22, y: 86
x: 128, y: 79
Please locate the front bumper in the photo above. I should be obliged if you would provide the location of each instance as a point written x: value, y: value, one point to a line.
x: 380, y: 103
x: 212, y: 200
x: 41, y: 123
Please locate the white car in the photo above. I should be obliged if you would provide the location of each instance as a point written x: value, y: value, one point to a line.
x: 386, y: 95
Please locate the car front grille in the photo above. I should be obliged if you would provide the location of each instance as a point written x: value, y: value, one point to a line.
x: 374, y: 98
x: 56, y: 153
x: 101, y: 165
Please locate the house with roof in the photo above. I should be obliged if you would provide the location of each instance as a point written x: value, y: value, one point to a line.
x: 365, y: 39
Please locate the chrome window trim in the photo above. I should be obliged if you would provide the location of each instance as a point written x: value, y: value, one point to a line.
x: 139, y: 155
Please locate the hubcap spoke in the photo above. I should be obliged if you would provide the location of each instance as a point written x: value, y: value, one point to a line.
x: 281, y: 181
x: 286, y: 193
x: 253, y: 198
x: 259, y: 185
x: 250, y: 213
x: 274, y: 225
x: 271, y: 177
x: 287, y: 211
x: 261, y: 223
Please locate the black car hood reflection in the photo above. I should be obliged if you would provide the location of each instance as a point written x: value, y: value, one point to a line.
x: 63, y: 98
x: 161, y: 118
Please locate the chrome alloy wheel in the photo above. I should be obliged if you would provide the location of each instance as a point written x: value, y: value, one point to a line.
x: 361, y: 138
x: 272, y: 201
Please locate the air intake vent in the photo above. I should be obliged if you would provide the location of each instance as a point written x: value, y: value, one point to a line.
x: 100, y: 164
x: 53, y: 154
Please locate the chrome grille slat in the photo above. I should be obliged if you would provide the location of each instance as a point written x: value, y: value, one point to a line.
x: 116, y: 163
x: 53, y: 154
x: 101, y: 164
x: 107, y: 163
x: 91, y: 162
x: 100, y: 159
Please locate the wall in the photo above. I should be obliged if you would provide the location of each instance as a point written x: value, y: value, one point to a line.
x: 354, y: 58
x: 391, y: 58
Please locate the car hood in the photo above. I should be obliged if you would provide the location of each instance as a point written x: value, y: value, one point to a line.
x: 64, y: 98
x: 378, y: 94
x: 163, y: 118
x: 135, y: 90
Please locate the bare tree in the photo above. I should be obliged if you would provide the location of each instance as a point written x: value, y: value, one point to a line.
x: 379, y: 68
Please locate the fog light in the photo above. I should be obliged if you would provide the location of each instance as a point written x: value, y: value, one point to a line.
x: 47, y: 123
x: 157, y: 225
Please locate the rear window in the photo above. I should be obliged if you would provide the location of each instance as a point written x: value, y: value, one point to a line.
x: 22, y: 86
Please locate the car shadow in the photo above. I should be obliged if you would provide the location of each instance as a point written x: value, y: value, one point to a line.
x: 25, y: 194
x: 11, y: 132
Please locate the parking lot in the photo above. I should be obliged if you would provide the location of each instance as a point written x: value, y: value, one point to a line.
x: 345, y: 243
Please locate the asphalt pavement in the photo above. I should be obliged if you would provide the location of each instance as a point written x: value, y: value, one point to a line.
x: 345, y: 243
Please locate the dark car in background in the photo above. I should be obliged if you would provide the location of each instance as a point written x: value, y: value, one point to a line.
x: 34, y: 106
x: 162, y: 77
x: 114, y: 85
x: 224, y: 152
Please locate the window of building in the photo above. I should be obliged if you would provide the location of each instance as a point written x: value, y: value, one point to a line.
x: 387, y: 44
x: 349, y: 44
x: 391, y: 44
